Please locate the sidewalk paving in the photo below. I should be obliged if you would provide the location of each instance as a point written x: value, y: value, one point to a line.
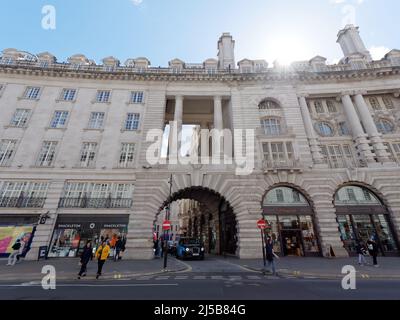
x: 68, y: 268
x: 389, y: 267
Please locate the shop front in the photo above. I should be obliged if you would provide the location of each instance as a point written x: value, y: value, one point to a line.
x: 72, y: 232
x: 13, y: 227
x: 291, y: 223
x: 360, y: 216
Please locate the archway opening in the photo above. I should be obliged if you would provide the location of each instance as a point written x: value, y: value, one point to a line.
x: 361, y: 215
x: 291, y: 220
x: 203, y: 214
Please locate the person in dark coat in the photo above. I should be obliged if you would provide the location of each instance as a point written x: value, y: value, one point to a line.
x: 118, y: 248
x: 270, y: 254
x: 86, y: 256
x: 373, y: 250
x: 361, y: 251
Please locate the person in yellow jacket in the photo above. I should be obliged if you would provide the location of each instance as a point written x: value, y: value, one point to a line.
x: 102, y: 254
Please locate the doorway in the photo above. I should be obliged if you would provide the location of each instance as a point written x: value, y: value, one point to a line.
x: 292, y: 243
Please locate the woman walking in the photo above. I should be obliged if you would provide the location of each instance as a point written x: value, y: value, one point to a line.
x: 270, y: 255
x: 361, y: 251
x: 86, y: 256
x: 102, y: 254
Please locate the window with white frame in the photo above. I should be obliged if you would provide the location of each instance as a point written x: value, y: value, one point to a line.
x: 271, y: 126
x: 47, y: 154
x: 324, y: 129
x: 132, y: 121
x: 20, y: 118
x: 384, y: 126
x: 103, y: 96
x: 14, y: 189
x: 338, y: 156
x: 7, y: 151
x: 32, y: 93
x: 278, y: 152
x: 394, y: 150
x: 388, y: 102
x: 68, y: 94
x: 59, y: 119
x: 331, y: 106
x: 137, y: 97
x: 88, y: 154
x: 98, y: 190
x: 96, y: 120
x: 319, y: 108
x: 375, y: 105
x: 127, y: 155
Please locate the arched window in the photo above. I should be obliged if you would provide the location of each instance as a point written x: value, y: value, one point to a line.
x: 285, y: 196
x: 324, y: 129
x: 384, y: 126
x: 271, y: 126
x: 291, y: 222
x: 268, y: 104
x: 354, y: 195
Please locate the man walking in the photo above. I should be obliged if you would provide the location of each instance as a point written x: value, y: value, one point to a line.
x: 118, y: 248
x: 270, y: 255
x: 373, y: 250
x: 86, y: 256
x: 361, y: 251
x: 12, y: 258
x: 102, y: 254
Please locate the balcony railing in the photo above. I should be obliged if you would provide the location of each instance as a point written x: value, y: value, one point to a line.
x: 275, y: 165
x: 95, y: 203
x: 21, y: 202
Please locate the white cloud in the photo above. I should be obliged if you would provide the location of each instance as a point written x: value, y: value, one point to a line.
x: 378, y: 53
x: 136, y: 2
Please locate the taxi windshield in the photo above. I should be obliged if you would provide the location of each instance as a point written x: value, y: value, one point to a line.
x: 190, y: 241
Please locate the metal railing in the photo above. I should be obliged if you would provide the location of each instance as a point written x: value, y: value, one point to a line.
x: 282, y: 164
x: 195, y: 69
x: 21, y: 202
x: 95, y: 203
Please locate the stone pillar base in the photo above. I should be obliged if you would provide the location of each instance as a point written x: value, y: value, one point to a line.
x: 138, y: 254
x: 32, y: 254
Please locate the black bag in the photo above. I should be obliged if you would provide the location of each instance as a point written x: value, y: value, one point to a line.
x: 16, y: 246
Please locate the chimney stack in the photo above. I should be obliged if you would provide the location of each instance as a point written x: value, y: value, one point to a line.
x: 226, y: 52
x: 351, y: 42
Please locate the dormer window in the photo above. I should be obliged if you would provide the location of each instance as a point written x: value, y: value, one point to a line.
x: 268, y: 105
x: 7, y: 60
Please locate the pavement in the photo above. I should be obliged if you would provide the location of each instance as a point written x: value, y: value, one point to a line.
x: 288, y: 267
x: 324, y: 268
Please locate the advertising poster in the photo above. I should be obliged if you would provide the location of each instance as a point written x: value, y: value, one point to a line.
x: 9, y: 234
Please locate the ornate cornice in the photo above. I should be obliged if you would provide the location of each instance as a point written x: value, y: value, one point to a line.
x: 195, y: 75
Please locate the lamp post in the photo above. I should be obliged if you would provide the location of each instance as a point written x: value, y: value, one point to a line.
x: 167, y: 217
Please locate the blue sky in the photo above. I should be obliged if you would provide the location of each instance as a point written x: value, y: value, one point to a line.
x: 189, y: 29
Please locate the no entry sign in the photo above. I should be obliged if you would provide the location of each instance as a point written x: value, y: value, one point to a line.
x: 262, y: 224
x: 166, y: 225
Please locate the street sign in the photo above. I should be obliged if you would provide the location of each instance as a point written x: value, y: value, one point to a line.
x: 262, y: 224
x: 166, y: 225
x: 42, y: 252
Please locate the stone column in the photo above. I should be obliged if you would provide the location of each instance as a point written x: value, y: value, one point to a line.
x: 312, y: 139
x: 218, y: 119
x: 370, y: 127
x: 358, y: 132
x: 176, y: 129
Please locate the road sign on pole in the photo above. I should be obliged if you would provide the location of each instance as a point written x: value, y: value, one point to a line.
x: 262, y: 224
x: 166, y: 225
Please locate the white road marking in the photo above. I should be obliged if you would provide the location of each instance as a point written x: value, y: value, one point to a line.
x: 98, y: 285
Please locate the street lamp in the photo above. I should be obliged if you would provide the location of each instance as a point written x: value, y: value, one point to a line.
x: 167, y: 217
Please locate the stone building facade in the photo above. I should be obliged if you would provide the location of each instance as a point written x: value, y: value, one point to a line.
x: 74, y: 149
